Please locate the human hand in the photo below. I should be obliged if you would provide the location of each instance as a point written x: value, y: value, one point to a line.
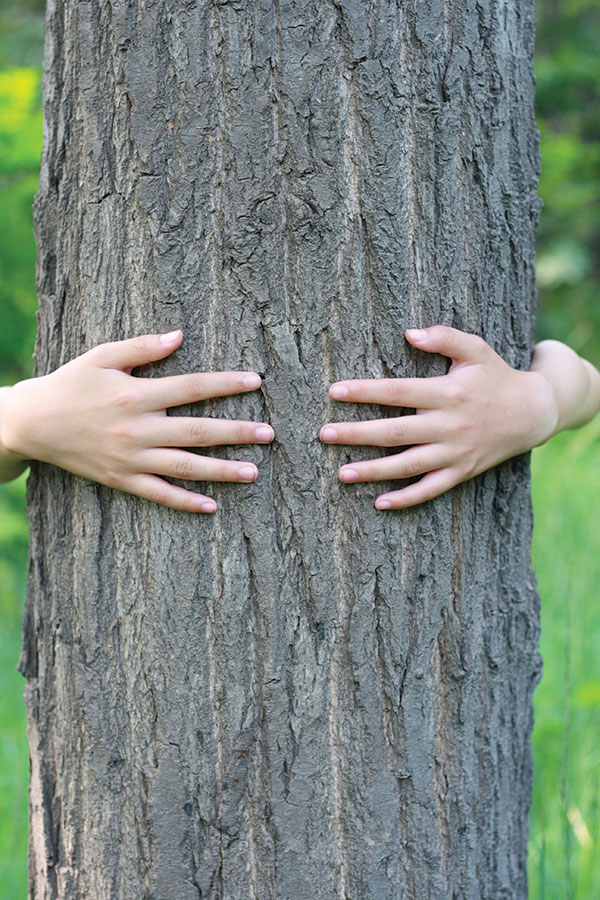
x: 93, y: 418
x: 477, y: 415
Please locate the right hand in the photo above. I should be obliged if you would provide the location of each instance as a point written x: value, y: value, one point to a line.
x: 93, y: 418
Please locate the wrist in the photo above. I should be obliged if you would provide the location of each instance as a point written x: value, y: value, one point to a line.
x: 544, y: 414
x: 13, y: 458
x: 575, y: 382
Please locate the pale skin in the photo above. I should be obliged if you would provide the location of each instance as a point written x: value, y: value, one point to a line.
x: 93, y: 418
x: 479, y: 414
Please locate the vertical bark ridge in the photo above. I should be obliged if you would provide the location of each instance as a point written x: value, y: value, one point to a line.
x: 214, y: 688
x: 392, y: 667
x: 262, y: 840
x: 256, y: 799
x: 410, y: 150
x: 279, y: 145
x: 355, y: 222
x: 440, y: 780
x: 335, y: 709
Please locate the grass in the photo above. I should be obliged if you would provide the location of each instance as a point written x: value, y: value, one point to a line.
x: 564, y: 847
x: 565, y: 817
x: 14, y: 759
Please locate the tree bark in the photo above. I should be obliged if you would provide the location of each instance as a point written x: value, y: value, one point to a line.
x: 299, y: 697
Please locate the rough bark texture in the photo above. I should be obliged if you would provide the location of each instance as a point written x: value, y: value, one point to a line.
x: 300, y: 697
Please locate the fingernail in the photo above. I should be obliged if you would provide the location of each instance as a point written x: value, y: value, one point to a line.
x: 338, y: 391
x: 382, y: 504
x: 248, y: 473
x: 208, y: 507
x: 418, y: 335
x: 170, y: 338
x: 251, y: 381
x: 264, y: 433
x: 348, y: 474
x: 328, y: 433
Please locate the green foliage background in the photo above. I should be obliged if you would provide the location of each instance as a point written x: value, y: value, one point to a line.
x: 568, y: 113
x: 565, y: 820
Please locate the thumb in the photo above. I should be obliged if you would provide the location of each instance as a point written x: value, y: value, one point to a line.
x: 457, y: 345
x: 136, y: 351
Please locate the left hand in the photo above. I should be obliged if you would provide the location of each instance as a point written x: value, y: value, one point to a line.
x: 480, y: 413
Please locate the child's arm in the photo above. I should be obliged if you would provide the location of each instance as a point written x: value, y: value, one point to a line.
x: 575, y: 382
x: 93, y: 418
x: 11, y: 465
x: 479, y: 414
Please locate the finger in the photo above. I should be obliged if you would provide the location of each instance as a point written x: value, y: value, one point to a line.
x: 175, y: 390
x: 457, y: 345
x: 186, y: 431
x: 415, y: 393
x: 411, y: 462
x: 158, y: 491
x: 431, y: 485
x: 192, y: 467
x: 383, y: 432
x: 136, y: 351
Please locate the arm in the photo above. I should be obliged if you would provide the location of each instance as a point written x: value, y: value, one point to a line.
x: 479, y: 414
x: 11, y: 465
x: 575, y: 383
x: 93, y: 418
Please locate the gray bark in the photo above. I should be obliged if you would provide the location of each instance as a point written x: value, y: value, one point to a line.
x: 300, y: 697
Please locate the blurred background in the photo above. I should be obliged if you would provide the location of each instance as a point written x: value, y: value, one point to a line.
x: 564, y: 858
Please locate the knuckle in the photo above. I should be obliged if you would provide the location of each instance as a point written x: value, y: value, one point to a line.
x: 413, y: 466
x: 397, y: 392
x: 112, y: 480
x: 469, y: 468
x: 122, y: 434
x: 195, y: 386
x: 126, y: 397
x: 396, y: 433
x: 157, y: 495
x: 243, y: 433
x: 229, y: 471
x: 118, y: 464
x: 455, y: 394
x: 460, y: 426
x: 478, y: 343
x: 184, y: 468
x: 198, y: 432
x: 139, y: 343
x: 96, y: 353
x: 442, y: 334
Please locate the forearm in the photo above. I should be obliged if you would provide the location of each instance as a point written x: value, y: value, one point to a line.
x: 11, y: 465
x: 574, y: 381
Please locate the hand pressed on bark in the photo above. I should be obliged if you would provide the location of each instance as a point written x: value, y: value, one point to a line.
x: 480, y: 413
x: 93, y: 418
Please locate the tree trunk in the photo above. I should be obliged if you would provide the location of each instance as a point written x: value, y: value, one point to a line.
x: 299, y: 697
